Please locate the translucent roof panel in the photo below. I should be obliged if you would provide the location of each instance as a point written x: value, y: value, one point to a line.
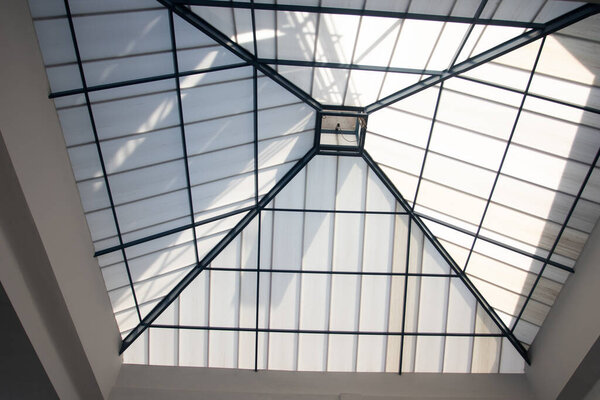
x: 335, y: 292
x: 344, y: 51
x: 231, y: 233
x: 503, y: 169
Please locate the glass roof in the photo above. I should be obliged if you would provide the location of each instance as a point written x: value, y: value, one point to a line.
x: 231, y: 233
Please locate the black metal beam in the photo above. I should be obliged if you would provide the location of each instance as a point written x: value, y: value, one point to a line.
x: 362, y: 132
x: 405, y: 295
x: 495, y: 242
x: 465, y: 38
x: 357, y: 12
x: 358, y: 67
x: 182, y: 131
x: 215, y: 251
x: 313, y: 210
x: 171, y: 231
x: 537, y: 96
x: 149, y: 79
x: 318, y: 121
x: 99, y: 151
x: 558, y: 237
x: 326, y: 153
x: 506, y: 148
x: 489, y: 55
x: 329, y: 108
x: 336, y: 153
x: 309, y: 271
x: 324, y: 332
x: 338, y: 113
x: 199, y: 23
x: 433, y: 120
x: 255, y: 106
x: 330, y: 149
x: 257, y: 305
x: 447, y: 257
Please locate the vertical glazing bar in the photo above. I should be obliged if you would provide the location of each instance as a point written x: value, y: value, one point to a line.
x: 314, y: 57
x: 558, y: 237
x: 468, y: 33
x: 433, y: 119
x: 257, y: 290
x: 182, y: 130
x: 255, y: 110
x: 99, y: 149
x: 408, y: 241
x: 508, y: 142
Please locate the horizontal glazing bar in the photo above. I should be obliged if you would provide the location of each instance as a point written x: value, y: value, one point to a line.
x: 497, y: 243
x: 320, y: 272
x: 358, y: 12
x: 360, y: 67
x: 172, y: 231
x: 324, y: 332
x: 312, y: 210
x: 149, y: 79
x: 529, y: 94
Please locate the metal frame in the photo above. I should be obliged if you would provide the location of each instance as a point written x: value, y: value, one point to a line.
x: 360, y: 131
x: 260, y: 65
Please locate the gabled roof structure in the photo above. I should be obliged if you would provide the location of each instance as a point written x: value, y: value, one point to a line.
x: 374, y: 186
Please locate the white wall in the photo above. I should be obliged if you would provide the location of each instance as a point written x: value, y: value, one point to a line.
x: 147, y: 382
x: 571, y: 328
x: 48, y: 269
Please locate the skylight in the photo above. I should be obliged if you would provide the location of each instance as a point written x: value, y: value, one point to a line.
x: 379, y: 186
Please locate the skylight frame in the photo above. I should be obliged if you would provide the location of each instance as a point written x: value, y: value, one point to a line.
x: 439, y: 77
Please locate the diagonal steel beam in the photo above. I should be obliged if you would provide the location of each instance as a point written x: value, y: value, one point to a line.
x: 199, y: 23
x: 215, y: 251
x: 489, y: 55
x: 358, y: 67
x: 446, y: 256
x: 357, y: 12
